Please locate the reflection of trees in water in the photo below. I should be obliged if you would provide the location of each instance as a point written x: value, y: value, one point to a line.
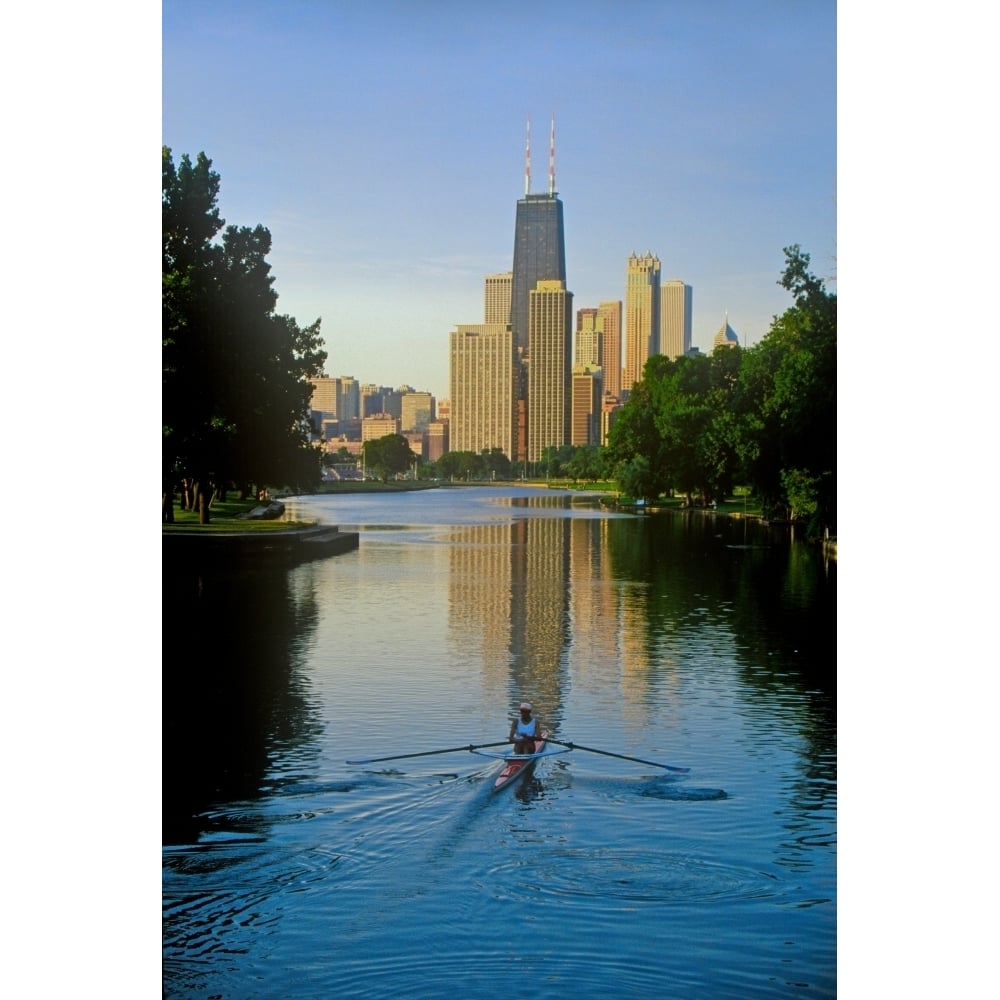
x: 776, y: 598
x: 233, y: 697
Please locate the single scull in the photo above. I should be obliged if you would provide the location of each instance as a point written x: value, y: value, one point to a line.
x: 518, y: 764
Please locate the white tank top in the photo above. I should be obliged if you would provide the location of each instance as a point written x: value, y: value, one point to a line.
x: 526, y: 728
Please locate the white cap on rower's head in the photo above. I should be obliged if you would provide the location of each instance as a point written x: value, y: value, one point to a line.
x: 525, y: 706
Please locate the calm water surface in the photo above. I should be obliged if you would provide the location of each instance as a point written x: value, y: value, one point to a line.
x: 693, y: 640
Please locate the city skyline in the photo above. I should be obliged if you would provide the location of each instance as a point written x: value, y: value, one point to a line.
x: 386, y: 163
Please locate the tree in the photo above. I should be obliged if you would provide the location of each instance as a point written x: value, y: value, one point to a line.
x: 235, y: 374
x: 388, y: 456
x: 634, y: 435
x: 786, y: 400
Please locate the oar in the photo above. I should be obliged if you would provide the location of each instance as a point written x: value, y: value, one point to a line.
x: 621, y: 756
x: 428, y: 753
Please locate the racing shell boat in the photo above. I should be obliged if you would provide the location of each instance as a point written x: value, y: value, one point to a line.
x: 519, y: 764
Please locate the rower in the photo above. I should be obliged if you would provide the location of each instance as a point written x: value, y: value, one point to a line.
x: 524, y: 731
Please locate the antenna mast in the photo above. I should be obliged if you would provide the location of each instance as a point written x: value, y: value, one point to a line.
x: 527, y: 159
x: 552, y: 156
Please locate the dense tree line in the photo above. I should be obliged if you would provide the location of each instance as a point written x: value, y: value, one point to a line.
x: 764, y: 417
x: 235, y: 373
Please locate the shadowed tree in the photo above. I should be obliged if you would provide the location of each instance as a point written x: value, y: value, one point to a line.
x: 235, y: 374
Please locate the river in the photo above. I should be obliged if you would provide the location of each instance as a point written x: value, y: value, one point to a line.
x: 692, y: 640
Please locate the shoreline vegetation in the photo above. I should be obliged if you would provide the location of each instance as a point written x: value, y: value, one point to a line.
x: 245, y: 519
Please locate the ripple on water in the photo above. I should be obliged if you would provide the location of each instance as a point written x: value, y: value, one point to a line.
x: 629, y: 875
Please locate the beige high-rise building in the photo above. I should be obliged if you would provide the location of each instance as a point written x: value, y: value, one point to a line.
x: 498, y: 288
x: 588, y: 350
x: 609, y: 318
x: 550, y: 344
x: 675, y: 319
x: 481, y: 387
x: 642, y: 315
x: 379, y: 426
x: 325, y: 395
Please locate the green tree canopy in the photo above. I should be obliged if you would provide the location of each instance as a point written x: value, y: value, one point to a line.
x: 235, y: 374
x: 388, y: 456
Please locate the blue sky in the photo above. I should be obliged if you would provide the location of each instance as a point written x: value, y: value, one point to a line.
x: 383, y: 146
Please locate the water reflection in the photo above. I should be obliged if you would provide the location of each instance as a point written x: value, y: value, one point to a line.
x: 692, y: 640
x: 235, y: 698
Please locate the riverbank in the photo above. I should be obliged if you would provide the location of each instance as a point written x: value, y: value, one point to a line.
x: 245, y: 532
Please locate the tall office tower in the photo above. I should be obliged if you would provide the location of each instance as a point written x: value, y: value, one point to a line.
x: 539, y: 243
x: 371, y: 399
x: 350, y: 398
x: 675, y: 319
x: 324, y: 396
x: 609, y: 318
x: 586, y: 319
x: 498, y: 297
x: 417, y: 411
x: 588, y: 350
x: 642, y: 315
x: 585, y: 419
x: 726, y: 337
x: 481, y: 386
x: 550, y: 345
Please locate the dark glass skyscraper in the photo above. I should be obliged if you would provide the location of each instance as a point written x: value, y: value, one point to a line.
x: 539, y: 255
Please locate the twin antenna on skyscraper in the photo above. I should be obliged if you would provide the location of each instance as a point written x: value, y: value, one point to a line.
x: 552, y: 157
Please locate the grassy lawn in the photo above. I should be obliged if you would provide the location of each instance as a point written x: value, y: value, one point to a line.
x: 225, y: 518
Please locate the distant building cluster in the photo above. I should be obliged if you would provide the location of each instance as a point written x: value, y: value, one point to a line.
x: 527, y: 378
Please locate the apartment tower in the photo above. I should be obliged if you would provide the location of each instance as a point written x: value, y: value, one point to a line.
x: 550, y: 345
x: 675, y: 319
x: 642, y: 315
x: 481, y: 387
x: 609, y: 319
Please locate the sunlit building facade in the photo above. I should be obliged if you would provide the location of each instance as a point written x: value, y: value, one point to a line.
x: 550, y: 345
x: 642, y: 315
x: 497, y: 298
x: 675, y: 319
x: 481, y: 388
x: 609, y: 319
x: 585, y: 415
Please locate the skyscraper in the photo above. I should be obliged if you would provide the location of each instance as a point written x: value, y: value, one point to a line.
x: 539, y: 243
x: 497, y: 298
x: 675, y: 319
x: 550, y: 344
x: 726, y: 337
x: 481, y: 386
x: 609, y: 318
x: 585, y: 421
x: 588, y: 350
x: 642, y: 315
